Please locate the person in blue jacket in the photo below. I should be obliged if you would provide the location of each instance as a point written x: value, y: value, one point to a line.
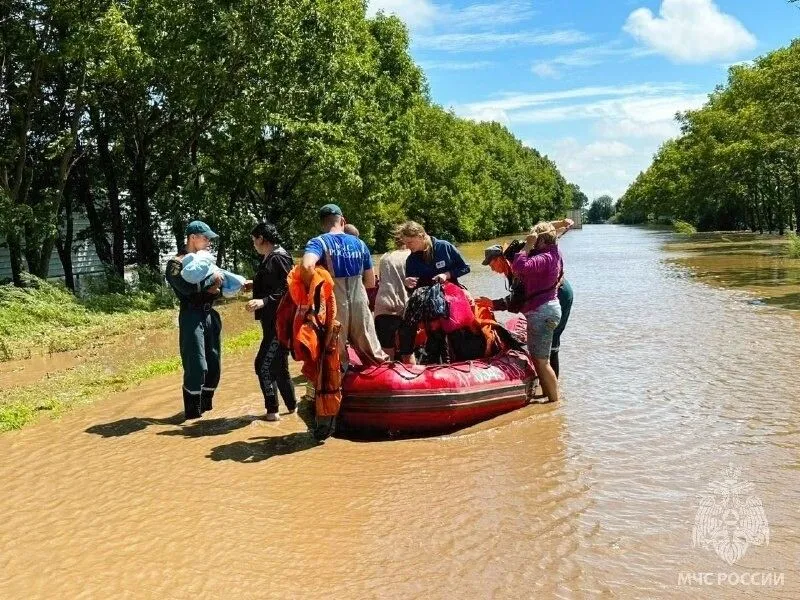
x: 431, y: 260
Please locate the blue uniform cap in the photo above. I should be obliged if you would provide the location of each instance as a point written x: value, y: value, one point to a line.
x: 330, y: 209
x: 200, y: 228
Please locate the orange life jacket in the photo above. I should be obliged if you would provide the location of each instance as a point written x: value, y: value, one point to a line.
x: 489, y: 328
x: 307, y: 325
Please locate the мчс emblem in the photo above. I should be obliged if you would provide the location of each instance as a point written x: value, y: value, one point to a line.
x: 730, y: 518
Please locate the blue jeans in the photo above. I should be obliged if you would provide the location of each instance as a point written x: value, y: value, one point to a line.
x: 542, y: 322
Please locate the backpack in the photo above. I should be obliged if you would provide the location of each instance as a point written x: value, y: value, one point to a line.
x: 460, y: 313
x: 433, y: 303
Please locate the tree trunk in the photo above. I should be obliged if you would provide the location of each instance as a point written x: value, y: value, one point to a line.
x: 796, y: 196
x: 106, y: 163
x: 32, y: 251
x: 757, y: 208
x: 779, y: 204
x: 179, y: 232
x: 768, y: 206
x: 97, y: 226
x: 46, y: 254
x: 146, y: 248
x: 12, y: 239
x: 64, y: 244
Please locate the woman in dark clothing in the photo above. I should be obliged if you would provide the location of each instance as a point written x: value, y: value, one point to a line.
x: 269, y: 286
x: 431, y: 260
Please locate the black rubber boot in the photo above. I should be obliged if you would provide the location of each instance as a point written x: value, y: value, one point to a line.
x: 191, y: 406
x: 206, y: 402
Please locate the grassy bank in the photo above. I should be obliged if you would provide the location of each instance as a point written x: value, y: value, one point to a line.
x: 47, y: 318
x: 126, y: 332
x: 88, y: 383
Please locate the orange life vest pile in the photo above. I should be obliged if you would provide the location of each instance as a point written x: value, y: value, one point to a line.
x: 306, y: 325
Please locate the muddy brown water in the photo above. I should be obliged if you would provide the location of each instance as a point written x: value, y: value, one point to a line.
x: 756, y: 265
x: 667, y: 383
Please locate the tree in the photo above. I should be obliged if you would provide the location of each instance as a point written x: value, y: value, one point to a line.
x: 580, y: 201
x: 601, y: 209
x: 736, y: 164
x: 146, y: 114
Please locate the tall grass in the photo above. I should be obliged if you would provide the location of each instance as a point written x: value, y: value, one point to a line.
x: 793, y: 244
x: 56, y: 395
x: 47, y: 317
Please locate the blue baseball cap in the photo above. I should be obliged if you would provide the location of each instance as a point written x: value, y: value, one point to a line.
x: 330, y: 209
x: 200, y: 228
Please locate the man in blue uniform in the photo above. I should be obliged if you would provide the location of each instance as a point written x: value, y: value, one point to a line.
x: 349, y: 262
x: 199, y: 325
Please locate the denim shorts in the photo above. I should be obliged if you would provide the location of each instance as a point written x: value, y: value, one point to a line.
x: 542, y: 322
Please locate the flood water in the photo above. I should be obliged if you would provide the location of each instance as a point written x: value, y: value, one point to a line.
x: 667, y: 382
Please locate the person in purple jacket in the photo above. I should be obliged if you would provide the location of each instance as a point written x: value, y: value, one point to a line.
x: 540, y: 268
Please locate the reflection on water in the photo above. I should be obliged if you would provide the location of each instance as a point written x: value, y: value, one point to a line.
x: 666, y: 382
x: 756, y: 265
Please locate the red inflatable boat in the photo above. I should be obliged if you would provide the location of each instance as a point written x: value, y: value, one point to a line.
x: 398, y: 400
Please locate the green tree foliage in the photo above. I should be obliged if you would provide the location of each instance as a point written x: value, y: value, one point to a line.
x: 601, y: 209
x: 145, y: 114
x: 735, y: 165
x: 580, y: 201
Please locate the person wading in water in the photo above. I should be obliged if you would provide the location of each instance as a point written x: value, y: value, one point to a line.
x: 499, y: 259
x: 269, y: 286
x: 348, y: 260
x: 200, y: 326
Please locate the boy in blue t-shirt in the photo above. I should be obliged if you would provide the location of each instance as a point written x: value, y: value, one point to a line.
x: 348, y: 260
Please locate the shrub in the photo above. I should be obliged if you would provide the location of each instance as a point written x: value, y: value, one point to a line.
x: 683, y: 227
x: 793, y: 244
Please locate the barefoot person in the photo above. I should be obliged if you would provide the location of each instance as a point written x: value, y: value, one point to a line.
x: 199, y: 325
x: 540, y: 268
x: 499, y: 260
x: 269, y: 285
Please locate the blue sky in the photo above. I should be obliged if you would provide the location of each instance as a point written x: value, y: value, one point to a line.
x: 594, y: 84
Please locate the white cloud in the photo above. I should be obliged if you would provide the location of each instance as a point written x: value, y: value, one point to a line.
x: 601, y: 167
x: 489, y: 15
x: 621, y: 127
x: 644, y: 116
x: 415, y: 13
x: 587, y: 56
x: 478, y: 41
x: 692, y: 31
x: 447, y: 65
x: 427, y: 15
x: 544, y: 69
x: 516, y: 102
x: 490, y: 113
